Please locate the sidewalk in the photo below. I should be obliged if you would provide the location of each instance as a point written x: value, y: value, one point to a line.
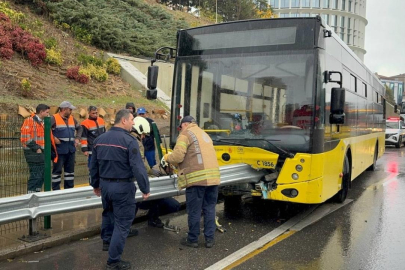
x: 66, y: 228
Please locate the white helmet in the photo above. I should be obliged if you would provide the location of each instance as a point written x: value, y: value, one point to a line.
x: 141, y: 125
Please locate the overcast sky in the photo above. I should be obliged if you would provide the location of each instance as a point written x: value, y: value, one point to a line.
x: 385, y: 37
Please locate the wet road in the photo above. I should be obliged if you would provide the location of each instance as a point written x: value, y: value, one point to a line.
x: 367, y: 233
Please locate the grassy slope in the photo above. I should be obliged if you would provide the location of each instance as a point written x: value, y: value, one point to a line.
x: 50, y: 84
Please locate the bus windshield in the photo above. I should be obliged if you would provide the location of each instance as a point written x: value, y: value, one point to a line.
x: 266, y: 97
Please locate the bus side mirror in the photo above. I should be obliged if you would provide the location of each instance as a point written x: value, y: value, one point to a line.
x: 151, y: 93
x: 337, y: 106
x: 395, y: 108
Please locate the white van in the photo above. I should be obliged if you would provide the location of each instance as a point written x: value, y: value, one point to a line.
x: 395, y: 132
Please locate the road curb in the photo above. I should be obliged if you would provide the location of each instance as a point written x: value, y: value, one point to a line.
x: 57, y: 240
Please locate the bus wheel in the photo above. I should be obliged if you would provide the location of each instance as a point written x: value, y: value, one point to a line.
x: 340, y: 197
x: 373, y: 166
x: 398, y: 145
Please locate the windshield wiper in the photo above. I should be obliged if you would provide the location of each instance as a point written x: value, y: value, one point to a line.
x: 231, y: 142
x: 287, y: 153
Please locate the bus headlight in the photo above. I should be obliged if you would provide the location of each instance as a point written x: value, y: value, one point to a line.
x: 298, y: 168
x: 295, y: 176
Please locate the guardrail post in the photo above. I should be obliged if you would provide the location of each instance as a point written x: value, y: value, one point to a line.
x: 47, y: 173
x: 34, y: 234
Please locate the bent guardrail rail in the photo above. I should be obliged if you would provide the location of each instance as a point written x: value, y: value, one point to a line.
x: 34, y: 205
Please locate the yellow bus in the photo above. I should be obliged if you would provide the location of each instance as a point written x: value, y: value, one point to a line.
x: 283, y: 95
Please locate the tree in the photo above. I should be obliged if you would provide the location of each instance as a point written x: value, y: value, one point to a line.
x: 238, y: 9
x: 389, y: 95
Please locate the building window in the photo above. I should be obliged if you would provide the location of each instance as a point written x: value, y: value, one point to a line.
x: 325, y: 3
x: 285, y: 3
x: 350, y: 5
x: 334, y: 4
x: 348, y: 39
x: 342, y: 36
x: 294, y: 15
x: 284, y: 15
x: 349, y: 20
x: 306, y: 3
x: 355, y: 7
x: 365, y: 89
x: 326, y: 18
x: 314, y: 15
x: 274, y: 3
x: 295, y: 3
x: 343, y: 5
x: 304, y: 14
x: 316, y: 3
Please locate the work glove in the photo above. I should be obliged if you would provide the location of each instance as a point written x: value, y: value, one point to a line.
x: 163, y: 162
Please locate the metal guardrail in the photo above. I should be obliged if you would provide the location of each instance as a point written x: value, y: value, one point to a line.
x: 34, y: 205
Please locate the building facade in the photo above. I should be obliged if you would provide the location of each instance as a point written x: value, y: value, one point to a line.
x: 396, y: 83
x: 346, y: 17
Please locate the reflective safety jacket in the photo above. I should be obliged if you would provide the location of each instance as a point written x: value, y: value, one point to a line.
x: 92, y: 128
x: 195, y: 155
x: 65, y: 132
x: 33, y: 135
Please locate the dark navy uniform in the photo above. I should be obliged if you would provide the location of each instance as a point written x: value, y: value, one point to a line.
x: 115, y: 164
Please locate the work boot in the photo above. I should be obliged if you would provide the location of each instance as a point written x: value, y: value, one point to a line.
x: 106, y: 246
x: 133, y: 232
x: 187, y: 243
x: 209, y: 243
x: 155, y: 223
x: 121, y: 265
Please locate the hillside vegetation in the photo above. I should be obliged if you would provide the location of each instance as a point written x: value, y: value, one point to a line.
x: 53, y: 50
x: 122, y: 26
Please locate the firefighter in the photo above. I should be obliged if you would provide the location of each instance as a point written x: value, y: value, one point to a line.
x: 115, y: 164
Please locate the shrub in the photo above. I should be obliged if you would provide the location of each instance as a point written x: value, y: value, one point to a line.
x: 73, y: 73
x: 113, y: 66
x: 25, y: 85
x: 15, y: 16
x: 97, y: 73
x: 50, y: 43
x: 21, y: 41
x: 90, y: 60
x: 54, y: 57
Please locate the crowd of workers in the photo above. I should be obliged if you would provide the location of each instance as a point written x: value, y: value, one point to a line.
x: 115, y: 162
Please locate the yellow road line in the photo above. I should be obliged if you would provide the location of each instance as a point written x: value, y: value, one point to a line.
x: 260, y: 250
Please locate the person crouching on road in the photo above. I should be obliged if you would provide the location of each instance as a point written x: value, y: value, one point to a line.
x: 92, y: 128
x: 115, y: 164
x: 196, y: 158
x: 63, y: 129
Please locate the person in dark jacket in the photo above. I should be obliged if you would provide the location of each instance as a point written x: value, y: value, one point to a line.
x: 67, y: 132
x: 131, y: 107
x: 115, y: 164
x: 92, y: 128
x: 148, y: 141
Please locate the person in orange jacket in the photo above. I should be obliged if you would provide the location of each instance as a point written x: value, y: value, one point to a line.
x: 67, y: 133
x: 92, y: 127
x: 33, y: 143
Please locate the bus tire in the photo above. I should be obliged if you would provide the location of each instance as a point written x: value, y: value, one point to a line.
x: 373, y: 166
x: 340, y: 197
x: 398, y: 145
